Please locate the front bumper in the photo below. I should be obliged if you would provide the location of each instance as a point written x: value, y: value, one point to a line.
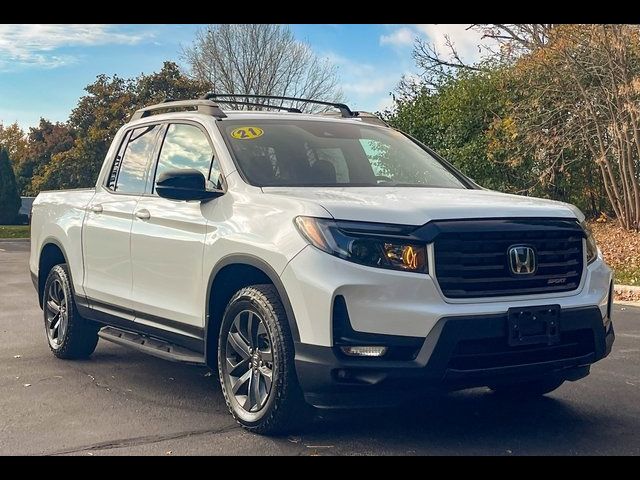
x: 458, y: 352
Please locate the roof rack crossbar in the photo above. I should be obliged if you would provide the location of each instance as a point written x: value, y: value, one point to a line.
x: 206, y: 107
x: 344, y: 109
x: 254, y: 104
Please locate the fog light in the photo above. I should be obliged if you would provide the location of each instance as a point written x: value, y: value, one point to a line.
x: 364, y: 351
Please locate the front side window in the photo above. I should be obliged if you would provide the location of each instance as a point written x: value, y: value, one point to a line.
x: 132, y: 173
x: 291, y: 152
x: 187, y: 147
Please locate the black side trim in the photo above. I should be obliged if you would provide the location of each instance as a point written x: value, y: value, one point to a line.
x: 190, y: 329
x: 123, y: 318
x: 130, y: 315
x: 253, y: 261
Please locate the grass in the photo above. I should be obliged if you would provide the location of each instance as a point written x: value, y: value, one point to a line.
x: 14, y: 231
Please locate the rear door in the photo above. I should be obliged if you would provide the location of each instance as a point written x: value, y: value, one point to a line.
x: 107, y: 227
x: 167, y: 238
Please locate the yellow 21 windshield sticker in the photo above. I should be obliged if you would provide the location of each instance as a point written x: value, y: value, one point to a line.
x: 247, y: 133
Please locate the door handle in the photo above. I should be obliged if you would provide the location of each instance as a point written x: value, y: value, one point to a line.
x: 143, y: 214
x: 96, y: 208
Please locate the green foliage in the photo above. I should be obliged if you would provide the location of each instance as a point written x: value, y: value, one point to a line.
x: 459, y: 121
x: 13, y: 139
x: 108, y: 105
x: 476, y: 120
x: 9, y: 198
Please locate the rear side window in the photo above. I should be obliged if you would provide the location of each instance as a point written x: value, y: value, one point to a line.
x: 187, y: 147
x: 131, y: 177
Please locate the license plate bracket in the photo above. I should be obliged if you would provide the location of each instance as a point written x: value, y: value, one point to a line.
x: 534, y: 325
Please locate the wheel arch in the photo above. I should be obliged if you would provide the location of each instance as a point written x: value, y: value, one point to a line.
x: 229, y: 275
x: 52, y: 253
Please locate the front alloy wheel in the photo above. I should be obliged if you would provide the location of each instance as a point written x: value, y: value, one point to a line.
x: 249, y: 361
x: 256, y: 363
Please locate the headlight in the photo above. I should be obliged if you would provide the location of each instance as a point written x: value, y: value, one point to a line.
x: 592, y: 247
x: 374, y: 245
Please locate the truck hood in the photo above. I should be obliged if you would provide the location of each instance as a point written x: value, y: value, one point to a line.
x: 417, y: 206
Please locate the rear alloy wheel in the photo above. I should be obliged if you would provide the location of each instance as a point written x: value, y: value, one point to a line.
x: 256, y: 363
x: 69, y: 335
x: 56, y: 313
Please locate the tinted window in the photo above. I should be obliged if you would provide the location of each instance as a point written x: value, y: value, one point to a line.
x: 298, y: 153
x: 115, y: 168
x: 132, y: 175
x: 187, y: 147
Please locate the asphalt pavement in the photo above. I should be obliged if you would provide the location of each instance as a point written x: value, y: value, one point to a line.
x: 121, y: 402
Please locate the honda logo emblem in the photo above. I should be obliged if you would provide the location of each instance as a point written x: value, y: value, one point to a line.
x: 522, y: 260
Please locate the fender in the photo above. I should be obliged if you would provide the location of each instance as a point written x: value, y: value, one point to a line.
x: 256, y: 262
x: 39, y: 282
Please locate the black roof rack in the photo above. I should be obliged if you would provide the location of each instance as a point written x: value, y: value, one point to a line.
x: 345, y: 111
x: 255, y: 104
x: 365, y: 117
x: 203, y: 106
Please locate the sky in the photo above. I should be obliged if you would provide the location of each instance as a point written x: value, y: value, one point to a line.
x: 44, y: 68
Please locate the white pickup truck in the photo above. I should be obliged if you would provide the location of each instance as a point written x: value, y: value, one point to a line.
x: 323, y: 260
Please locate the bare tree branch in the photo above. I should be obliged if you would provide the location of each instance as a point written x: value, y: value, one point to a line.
x: 261, y: 59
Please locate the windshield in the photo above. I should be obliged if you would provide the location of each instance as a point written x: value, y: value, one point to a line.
x: 299, y: 153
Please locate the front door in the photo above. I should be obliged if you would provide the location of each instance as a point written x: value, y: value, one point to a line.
x: 167, y: 239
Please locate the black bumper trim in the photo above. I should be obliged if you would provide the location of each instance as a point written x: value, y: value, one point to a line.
x: 330, y: 379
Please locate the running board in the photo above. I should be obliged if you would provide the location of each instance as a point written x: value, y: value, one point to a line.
x: 152, y: 346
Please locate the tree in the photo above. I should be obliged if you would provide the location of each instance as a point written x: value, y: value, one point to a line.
x: 44, y: 141
x: 577, y: 91
x: 13, y: 139
x: 261, y: 59
x: 463, y: 120
x: 588, y: 80
x: 108, y: 105
x: 9, y: 198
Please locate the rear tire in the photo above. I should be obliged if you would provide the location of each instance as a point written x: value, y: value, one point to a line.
x: 256, y: 363
x: 534, y: 388
x: 69, y: 335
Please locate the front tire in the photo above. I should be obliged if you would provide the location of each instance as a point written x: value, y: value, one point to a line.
x: 256, y: 363
x: 69, y: 335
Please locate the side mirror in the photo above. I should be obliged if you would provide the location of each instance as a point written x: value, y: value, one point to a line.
x: 184, y: 184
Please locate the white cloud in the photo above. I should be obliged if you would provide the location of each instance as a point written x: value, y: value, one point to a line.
x: 34, y: 45
x: 401, y: 37
x: 468, y: 42
x: 369, y: 86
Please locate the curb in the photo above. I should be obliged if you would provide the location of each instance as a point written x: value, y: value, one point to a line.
x: 626, y: 289
x: 626, y: 294
x: 14, y: 240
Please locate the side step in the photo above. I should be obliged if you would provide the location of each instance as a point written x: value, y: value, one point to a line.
x: 152, y: 346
